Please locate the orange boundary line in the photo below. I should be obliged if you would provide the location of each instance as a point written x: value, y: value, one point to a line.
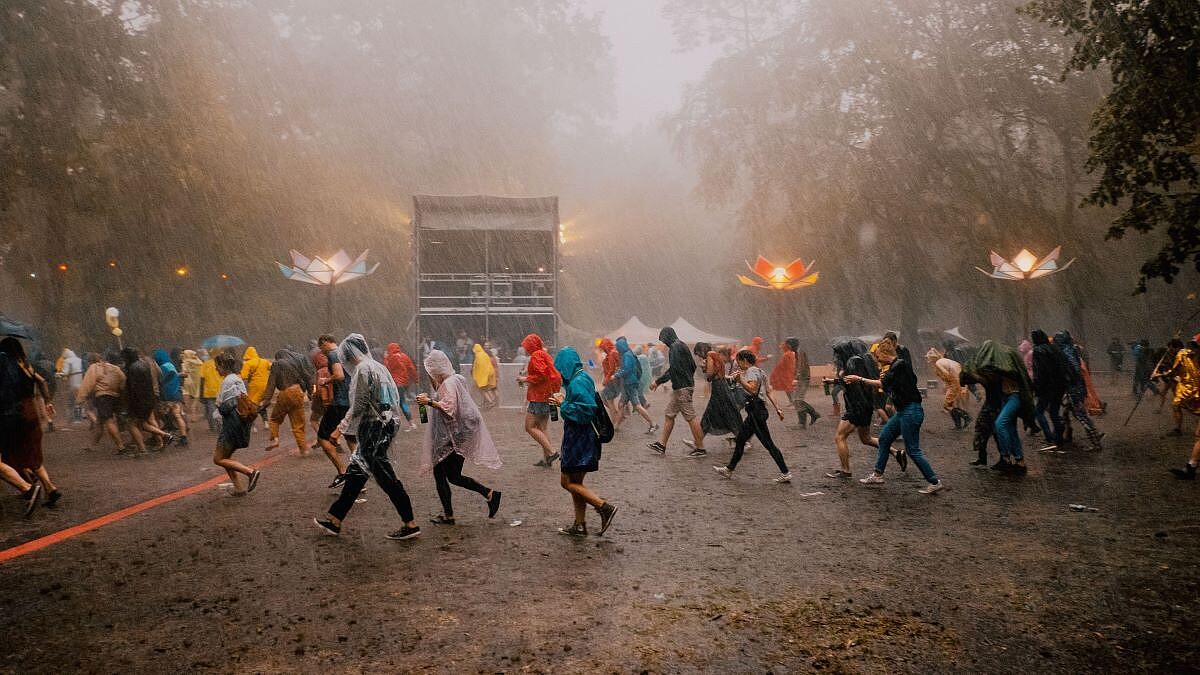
x: 96, y: 523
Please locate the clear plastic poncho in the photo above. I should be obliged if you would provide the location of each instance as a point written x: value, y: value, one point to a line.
x: 458, y: 427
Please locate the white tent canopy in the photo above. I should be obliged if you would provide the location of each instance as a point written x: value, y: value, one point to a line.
x: 635, y: 332
x: 690, y: 334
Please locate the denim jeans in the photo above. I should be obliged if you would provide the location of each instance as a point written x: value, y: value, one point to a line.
x: 1006, y: 428
x: 906, y: 424
x: 1051, y: 403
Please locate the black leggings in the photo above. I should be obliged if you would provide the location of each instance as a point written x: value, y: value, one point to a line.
x: 755, y: 425
x: 449, y: 471
x: 374, y: 438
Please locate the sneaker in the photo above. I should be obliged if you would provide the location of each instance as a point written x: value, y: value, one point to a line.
x: 653, y: 430
x: 551, y: 459
x: 493, y: 504
x: 932, y: 488
x: 440, y: 519
x: 724, y: 471
x: 873, y: 479
x: 1002, y: 465
x: 1188, y: 472
x: 327, y: 527
x: 839, y: 474
x: 607, y: 510
x: 253, y: 480
x: 404, y: 533
x: 183, y: 442
x: 31, y: 496
x: 575, y: 530
x: 542, y: 463
x: 52, y: 498
x: 697, y: 453
x: 657, y: 447
x: 980, y: 463
x: 784, y: 477
x: 337, y: 482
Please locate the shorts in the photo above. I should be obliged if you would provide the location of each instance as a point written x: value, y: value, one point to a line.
x: 106, y: 407
x: 330, y: 420
x: 859, y: 419
x: 633, y: 396
x: 538, y: 408
x: 681, y: 404
x: 611, y: 390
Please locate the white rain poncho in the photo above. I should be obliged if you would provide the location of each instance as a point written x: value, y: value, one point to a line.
x: 458, y: 427
x: 373, y: 393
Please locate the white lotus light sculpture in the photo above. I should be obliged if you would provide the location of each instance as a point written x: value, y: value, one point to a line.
x: 1025, y: 265
x: 331, y: 271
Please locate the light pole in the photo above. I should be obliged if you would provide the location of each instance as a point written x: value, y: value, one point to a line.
x: 1025, y: 266
x: 328, y: 272
x: 779, y: 278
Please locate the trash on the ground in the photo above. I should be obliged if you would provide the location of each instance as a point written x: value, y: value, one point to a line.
x: 514, y: 523
x: 360, y: 500
x: 811, y: 494
x: 660, y: 597
x: 1082, y: 507
x: 224, y: 485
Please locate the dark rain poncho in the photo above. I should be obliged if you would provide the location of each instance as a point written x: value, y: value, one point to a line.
x: 1000, y: 358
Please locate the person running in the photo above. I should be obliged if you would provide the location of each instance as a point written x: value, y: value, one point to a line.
x: 629, y: 375
x: 72, y: 371
x: 948, y: 370
x: 373, y: 396
x: 22, y: 443
x: 610, y: 386
x: 1049, y: 386
x: 485, y: 376
x: 645, y: 376
x: 455, y: 434
x: 1001, y: 370
x: 851, y: 357
x: 1077, y: 389
x: 329, y: 431
x: 680, y: 373
x: 540, y: 381
x: 404, y: 374
x: 256, y: 371
x: 170, y: 387
x: 788, y: 376
x: 1185, y: 371
x: 580, y: 444
x: 1162, y: 356
x: 721, y: 417
x: 900, y: 383
x: 753, y: 381
x: 1143, y: 366
x: 104, y: 384
x: 141, y: 398
x: 235, y: 429
x: 210, y: 385
x: 190, y: 373
x: 1116, y: 357
x: 291, y: 379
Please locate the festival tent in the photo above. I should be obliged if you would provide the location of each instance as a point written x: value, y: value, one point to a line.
x: 635, y: 332
x: 690, y: 334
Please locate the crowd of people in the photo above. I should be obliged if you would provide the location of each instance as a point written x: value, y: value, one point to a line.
x: 356, y: 394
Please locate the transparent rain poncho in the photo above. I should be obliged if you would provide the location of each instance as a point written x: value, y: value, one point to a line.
x: 373, y: 393
x: 458, y: 427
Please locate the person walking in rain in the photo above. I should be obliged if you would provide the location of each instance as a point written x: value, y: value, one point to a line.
x: 851, y: 358
x: 456, y: 434
x: 104, y: 384
x: 753, y: 381
x: 1001, y: 370
x: 256, y: 371
x: 791, y: 376
x: 329, y: 432
x: 141, y: 399
x: 235, y: 430
x: 170, y: 388
x: 610, y: 386
x: 580, y: 444
x: 1116, y: 357
x: 1049, y: 386
x: 404, y: 374
x: 721, y: 416
x: 1185, y: 370
x: 900, y: 383
x: 629, y: 376
x: 948, y: 370
x: 72, y: 372
x: 1077, y: 389
x: 291, y: 379
x: 210, y: 385
x: 371, y: 418
x: 540, y: 381
x: 680, y: 373
x: 485, y: 376
x: 28, y: 406
x: 645, y: 376
x: 190, y: 372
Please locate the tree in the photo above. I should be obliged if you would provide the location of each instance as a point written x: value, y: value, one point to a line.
x: 1145, y: 140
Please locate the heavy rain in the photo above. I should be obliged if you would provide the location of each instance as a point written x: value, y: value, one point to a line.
x: 750, y: 335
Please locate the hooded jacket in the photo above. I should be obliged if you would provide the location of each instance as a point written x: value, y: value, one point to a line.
x: 210, y: 379
x: 784, y: 372
x: 256, y: 371
x: 1074, y: 371
x: 1049, y: 367
x: 612, y: 360
x: 72, y: 369
x: 169, y: 385
x: 541, y: 377
x: 682, y: 365
x: 579, y: 404
x: 1004, y: 360
x: 290, y: 368
x: 628, y: 372
x: 481, y: 368
x: 399, y: 364
x: 853, y: 358
x: 191, y: 365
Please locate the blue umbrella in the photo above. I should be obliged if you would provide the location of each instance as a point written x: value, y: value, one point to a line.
x: 222, y: 342
x: 14, y: 328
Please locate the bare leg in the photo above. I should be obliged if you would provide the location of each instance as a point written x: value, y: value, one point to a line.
x: 222, y: 458
x: 110, y: 427
x: 135, y: 432
x: 535, y: 426
x: 843, y: 448
x: 10, y: 476
x: 581, y: 495
x: 668, y: 427
x: 332, y: 453
x: 44, y: 477
x: 697, y: 432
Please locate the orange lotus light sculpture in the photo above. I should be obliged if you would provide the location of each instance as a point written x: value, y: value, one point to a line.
x: 795, y: 275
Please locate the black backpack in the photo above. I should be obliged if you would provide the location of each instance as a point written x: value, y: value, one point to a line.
x: 601, y: 423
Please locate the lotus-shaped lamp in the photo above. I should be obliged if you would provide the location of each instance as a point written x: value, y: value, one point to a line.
x: 778, y: 277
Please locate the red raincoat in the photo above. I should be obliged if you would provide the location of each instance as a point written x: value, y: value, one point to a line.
x: 399, y: 365
x: 784, y: 373
x: 541, y: 377
x: 612, y: 360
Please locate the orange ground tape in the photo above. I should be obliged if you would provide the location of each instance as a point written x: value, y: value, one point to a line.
x: 62, y: 535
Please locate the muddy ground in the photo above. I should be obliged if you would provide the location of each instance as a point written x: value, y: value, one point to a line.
x: 697, y: 573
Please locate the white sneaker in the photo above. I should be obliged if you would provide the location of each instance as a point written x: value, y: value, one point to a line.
x: 724, y: 471
x: 873, y: 479
x: 930, y: 489
x: 784, y: 478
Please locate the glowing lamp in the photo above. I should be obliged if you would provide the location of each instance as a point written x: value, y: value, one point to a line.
x: 777, y: 277
x: 181, y: 271
x: 1025, y: 265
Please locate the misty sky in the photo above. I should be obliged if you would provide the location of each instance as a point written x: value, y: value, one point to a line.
x: 650, y: 70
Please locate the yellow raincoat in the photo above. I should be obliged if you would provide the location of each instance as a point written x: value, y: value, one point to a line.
x: 192, y: 366
x: 255, y: 371
x: 1186, y: 371
x: 481, y: 369
x: 210, y: 379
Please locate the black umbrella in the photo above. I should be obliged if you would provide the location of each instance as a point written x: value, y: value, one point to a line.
x: 14, y: 328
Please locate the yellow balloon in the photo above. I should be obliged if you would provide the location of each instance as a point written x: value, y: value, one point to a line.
x: 117, y: 332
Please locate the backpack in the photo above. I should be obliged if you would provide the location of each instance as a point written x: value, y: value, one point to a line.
x: 601, y: 423
x: 639, y: 367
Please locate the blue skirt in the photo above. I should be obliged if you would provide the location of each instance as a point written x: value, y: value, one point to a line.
x: 580, y: 448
